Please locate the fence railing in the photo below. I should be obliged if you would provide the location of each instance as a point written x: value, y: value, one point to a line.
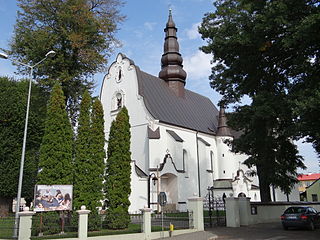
x: 66, y: 225
x: 6, y: 227
x: 179, y: 220
x: 83, y: 224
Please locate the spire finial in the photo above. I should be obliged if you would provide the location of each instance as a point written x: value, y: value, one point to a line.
x: 170, y: 11
x: 171, y: 62
x: 223, y: 129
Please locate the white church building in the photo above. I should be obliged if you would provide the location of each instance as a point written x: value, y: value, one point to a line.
x: 177, y: 136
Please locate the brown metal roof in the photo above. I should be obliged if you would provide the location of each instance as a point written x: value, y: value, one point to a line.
x: 194, y: 111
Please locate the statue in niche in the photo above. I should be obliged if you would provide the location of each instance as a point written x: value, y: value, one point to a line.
x: 119, y: 101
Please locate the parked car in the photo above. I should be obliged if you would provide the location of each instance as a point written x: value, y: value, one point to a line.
x: 301, y: 216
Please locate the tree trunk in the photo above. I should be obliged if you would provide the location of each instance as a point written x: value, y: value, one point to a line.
x: 264, y: 186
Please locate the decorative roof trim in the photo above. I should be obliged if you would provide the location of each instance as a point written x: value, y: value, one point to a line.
x: 204, y: 141
x: 164, y: 162
x: 175, y: 136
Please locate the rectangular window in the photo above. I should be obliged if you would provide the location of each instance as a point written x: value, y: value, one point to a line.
x: 314, y: 197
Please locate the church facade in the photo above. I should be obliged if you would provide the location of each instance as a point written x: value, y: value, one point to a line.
x: 177, y: 136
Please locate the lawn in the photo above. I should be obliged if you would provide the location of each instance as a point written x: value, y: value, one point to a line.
x: 6, y: 227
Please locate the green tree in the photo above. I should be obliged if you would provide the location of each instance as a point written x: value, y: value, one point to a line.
x: 118, y: 170
x: 13, y: 99
x: 55, y: 165
x: 82, y: 32
x: 89, y: 155
x: 82, y: 162
x: 98, y: 154
x: 250, y: 43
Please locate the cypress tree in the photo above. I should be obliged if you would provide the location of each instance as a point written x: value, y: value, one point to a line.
x: 97, y: 151
x: 118, y: 169
x: 84, y: 170
x: 56, y: 148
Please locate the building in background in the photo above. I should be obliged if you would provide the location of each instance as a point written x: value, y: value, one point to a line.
x: 305, y: 180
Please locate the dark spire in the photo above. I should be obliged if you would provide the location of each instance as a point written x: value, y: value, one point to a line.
x: 171, y: 61
x: 223, y: 129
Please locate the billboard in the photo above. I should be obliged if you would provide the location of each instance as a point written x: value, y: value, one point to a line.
x: 52, y: 198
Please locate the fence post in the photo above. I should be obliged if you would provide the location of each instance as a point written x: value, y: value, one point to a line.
x: 146, y: 224
x: 245, y: 211
x: 83, y: 223
x: 25, y: 223
x: 232, y: 212
x: 195, y: 204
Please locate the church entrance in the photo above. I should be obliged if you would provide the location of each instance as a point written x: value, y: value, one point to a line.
x: 169, y: 185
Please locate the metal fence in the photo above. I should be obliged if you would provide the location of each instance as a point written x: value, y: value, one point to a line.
x: 179, y: 220
x: 6, y: 227
x: 65, y: 224
x: 214, y: 210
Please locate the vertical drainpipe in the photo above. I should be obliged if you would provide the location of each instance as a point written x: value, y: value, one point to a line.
x: 198, y: 162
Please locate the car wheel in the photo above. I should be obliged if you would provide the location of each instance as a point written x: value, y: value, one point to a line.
x: 285, y: 227
x: 311, y: 226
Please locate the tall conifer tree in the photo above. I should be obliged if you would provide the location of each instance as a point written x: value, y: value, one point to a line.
x: 56, y: 148
x: 84, y: 169
x: 117, y: 184
x: 97, y: 151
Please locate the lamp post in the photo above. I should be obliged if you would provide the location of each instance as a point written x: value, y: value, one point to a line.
x: 31, y: 67
x: 154, y: 179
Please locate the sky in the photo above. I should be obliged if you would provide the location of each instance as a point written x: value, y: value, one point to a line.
x: 142, y: 38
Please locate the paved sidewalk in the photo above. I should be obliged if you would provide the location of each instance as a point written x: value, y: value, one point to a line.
x: 203, y: 235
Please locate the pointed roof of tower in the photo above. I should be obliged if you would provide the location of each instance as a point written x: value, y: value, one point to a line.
x: 171, y: 60
x: 223, y: 129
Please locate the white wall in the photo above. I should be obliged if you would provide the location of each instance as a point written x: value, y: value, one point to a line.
x: 272, y: 212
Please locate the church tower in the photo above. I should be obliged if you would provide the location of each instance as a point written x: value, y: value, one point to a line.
x: 171, y: 61
x: 226, y: 161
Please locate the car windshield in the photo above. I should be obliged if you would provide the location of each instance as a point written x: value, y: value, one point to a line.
x: 295, y: 210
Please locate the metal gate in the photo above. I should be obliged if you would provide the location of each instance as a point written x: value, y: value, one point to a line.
x: 214, y: 209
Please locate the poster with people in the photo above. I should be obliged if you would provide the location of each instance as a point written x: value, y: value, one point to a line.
x: 52, y: 198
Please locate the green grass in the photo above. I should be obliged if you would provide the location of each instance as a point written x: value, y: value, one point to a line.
x: 6, y: 227
x: 215, y: 213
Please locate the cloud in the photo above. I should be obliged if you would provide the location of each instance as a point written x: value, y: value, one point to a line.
x: 193, y: 33
x: 149, y: 25
x: 198, y: 65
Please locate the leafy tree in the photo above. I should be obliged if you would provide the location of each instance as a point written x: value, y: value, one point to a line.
x: 118, y: 170
x: 82, y: 32
x: 13, y: 99
x: 90, y: 154
x: 250, y: 43
x: 55, y: 165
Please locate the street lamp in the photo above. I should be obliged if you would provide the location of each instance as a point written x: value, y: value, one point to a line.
x: 154, y: 179
x: 31, y: 67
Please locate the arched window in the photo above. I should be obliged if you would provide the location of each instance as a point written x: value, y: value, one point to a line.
x: 185, y: 162
x: 211, y: 160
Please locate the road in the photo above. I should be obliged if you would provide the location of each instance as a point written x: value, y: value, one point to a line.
x: 265, y: 231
